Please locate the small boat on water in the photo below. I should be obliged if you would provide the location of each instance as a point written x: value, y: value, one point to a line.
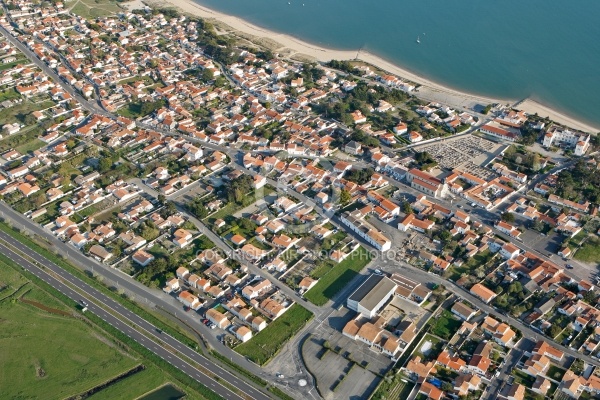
x: 418, y: 39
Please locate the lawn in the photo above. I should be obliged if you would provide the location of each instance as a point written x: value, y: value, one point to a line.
x: 32, y: 145
x: 523, y: 378
x: 436, y: 348
x: 589, y: 252
x: 556, y: 373
x: 46, y: 355
x: 265, y: 345
x: 338, y: 277
x: 91, y: 9
x: 445, y: 325
x: 130, y: 110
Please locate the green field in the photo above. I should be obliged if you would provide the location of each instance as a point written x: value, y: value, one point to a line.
x: 265, y: 345
x: 338, y: 277
x: 48, y: 355
x: 32, y: 145
x: 92, y: 9
x: 589, y: 252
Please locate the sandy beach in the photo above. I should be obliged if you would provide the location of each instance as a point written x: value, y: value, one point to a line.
x: 293, y: 47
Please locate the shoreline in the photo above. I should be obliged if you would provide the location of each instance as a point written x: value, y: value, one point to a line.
x: 428, y: 90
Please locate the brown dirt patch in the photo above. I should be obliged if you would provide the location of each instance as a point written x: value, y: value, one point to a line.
x: 45, y: 308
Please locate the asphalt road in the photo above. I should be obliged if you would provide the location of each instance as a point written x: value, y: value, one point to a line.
x: 94, y: 296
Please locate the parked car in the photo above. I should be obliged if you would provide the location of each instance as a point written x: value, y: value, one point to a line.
x: 569, y: 266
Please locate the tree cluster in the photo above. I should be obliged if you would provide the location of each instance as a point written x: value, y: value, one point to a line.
x: 363, y: 138
x: 580, y: 183
x: 425, y: 160
x: 239, y: 188
x: 360, y: 176
x: 517, y: 159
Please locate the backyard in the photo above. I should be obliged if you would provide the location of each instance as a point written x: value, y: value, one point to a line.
x: 265, y: 345
x: 445, y: 325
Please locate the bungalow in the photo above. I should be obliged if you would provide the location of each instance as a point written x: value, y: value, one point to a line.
x: 100, y: 253
x: 258, y: 323
x: 430, y: 391
x: 217, y: 318
x: 411, y: 222
x: 182, y: 272
x: 417, y: 370
x: 142, y: 258
x: 507, y: 229
x: 307, y: 283
x: 172, y: 285
x: 238, y: 240
x: 463, y: 311
x: 252, y: 252
x: 243, y: 333
x: 189, y: 300
x: 509, y: 251
x: 483, y: 293
x: 253, y: 290
x: 181, y: 237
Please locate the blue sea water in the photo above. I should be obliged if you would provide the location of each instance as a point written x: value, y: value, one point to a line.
x: 548, y: 50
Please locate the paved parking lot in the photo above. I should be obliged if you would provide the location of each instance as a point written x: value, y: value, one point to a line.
x: 358, y: 382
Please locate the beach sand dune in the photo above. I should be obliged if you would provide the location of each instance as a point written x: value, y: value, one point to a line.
x: 291, y: 47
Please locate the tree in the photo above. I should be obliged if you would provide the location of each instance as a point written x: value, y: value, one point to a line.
x: 345, y: 197
x: 198, y: 209
x: 589, y: 296
x: 515, y: 287
x: 104, y: 164
x: 207, y: 75
x: 360, y: 176
x: 239, y: 189
x: 220, y: 81
x: 554, y: 330
x: 30, y: 119
x: 508, y: 217
x: 149, y: 231
x: 447, y: 387
x: 406, y: 208
x: 246, y: 224
x: 445, y: 236
x: 537, y: 225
